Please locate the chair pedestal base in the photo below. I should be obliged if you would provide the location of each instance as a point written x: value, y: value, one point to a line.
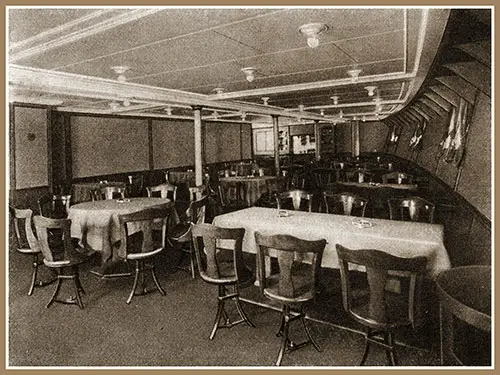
x: 387, y: 342
x: 77, y: 286
x: 287, y: 344
x: 221, y: 312
x: 140, y: 268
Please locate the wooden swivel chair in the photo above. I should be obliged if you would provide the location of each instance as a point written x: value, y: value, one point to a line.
x: 372, y: 304
x: 54, y: 206
x: 113, y: 192
x: 165, y: 190
x: 397, y: 178
x: 140, y: 247
x: 411, y: 209
x: 62, y: 254
x: 232, y: 195
x: 294, y: 200
x: 180, y: 234
x: 222, y: 267
x: 344, y: 204
x: 135, y: 186
x: 360, y: 175
x: 295, y: 284
x: 27, y: 243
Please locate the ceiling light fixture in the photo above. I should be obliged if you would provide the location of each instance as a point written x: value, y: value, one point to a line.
x: 322, y: 112
x: 312, y: 31
x: 354, y: 74
x: 341, y: 114
x: 363, y: 118
x: 335, y: 99
x: 371, y: 90
x: 249, y: 73
x: 114, y: 106
x: 301, y: 107
x: 168, y: 109
x: 218, y: 90
x: 120, y: 70
x: 265, y: 100
x: 243, y: 116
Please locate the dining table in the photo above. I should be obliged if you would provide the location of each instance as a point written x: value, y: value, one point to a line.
x: 97, y: 226
x: 399, y: 238
x: 81, y: 191
x: 255, y: 186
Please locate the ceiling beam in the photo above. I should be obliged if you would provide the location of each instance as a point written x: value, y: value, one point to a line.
x: 99, y: 88
x: 448, y: 94
x: 480, y: 50
x: 475, y: 73
x: 433, y: 106
x: 439, y: 100
x: 422, y: 110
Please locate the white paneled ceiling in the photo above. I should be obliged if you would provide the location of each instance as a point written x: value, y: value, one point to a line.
x: 177, y: 57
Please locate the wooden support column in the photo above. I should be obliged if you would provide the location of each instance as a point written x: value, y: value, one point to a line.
x: 355, y: 137
x: 198, y: 164
x: 317, y: 136
x: 276, y: 146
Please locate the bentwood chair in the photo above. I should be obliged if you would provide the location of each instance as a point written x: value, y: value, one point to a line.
x: 294, y: 200
x: 63, y: 254
x: 27, y: 243
x: 411, y: 209
x: 222, y: 267
x: 344, y: 204
x: 232, y: 195
x: 372, y: 304
x: 54, y: 206
x: 113, y: 192
x: 294, y: 285
x: 140, y: 247
x: 180, y: 234
x: 165, y: 190
x: 135, y: 186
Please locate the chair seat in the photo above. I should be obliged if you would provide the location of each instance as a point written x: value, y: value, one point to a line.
x: 73, y: 258
x: 302, y: 288
x: 180, y: 232
x: 28, y: 251
x: 228, y: 277
x: 135, y: 256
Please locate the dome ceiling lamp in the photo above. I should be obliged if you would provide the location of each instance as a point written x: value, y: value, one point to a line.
x: 312, y: 32
x: 335, y: 99
x: 354, y: 74
x: 371, y: 90
x: 265, y: 100
x: 121, y: 70
x: 249, y: 73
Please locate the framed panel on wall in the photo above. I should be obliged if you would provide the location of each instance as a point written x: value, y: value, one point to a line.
x: 30, y: 147
x: 108, y: 145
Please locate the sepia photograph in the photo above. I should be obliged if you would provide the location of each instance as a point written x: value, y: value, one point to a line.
x: 247, y: 187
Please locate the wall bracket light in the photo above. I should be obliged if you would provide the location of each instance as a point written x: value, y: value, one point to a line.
x: 249, y: 73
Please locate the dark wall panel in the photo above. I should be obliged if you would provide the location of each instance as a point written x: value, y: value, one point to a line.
x: 343, y: 138
x: 212, y: 142
x: 31, y: 160
x: 230, y: 142
x: 403, y: 149
x: 246, y: 141
x: 103, y: 145
x: 173, y: 143
x: 475, y: 180
x: 372, y: 136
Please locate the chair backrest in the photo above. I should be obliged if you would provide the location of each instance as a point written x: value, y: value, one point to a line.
x: 378, y: 264
x: 344, y: 204
x: 206, y: 240
x: 96, y: 194
x: 54, y: 206
x: 144, y: 220
x: 54, y: 238
x: 411, y: 209
x: 197, y: 210
x: 113, y: 192
x: 323, y: 176
x: 165, y: 190
x: 26, y: 239
x: 294, y: 199
x: 197, y: 192
x: 360, y: 175
x: 296, y: 278
x: 397, y: 178
x: 135, y: 185
x: 232, y: 193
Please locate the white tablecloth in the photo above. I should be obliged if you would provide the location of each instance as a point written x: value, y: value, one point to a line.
x: 255, y: 186
x: 403, y: 239
x: 100, y: 220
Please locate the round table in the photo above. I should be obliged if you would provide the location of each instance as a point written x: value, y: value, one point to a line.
x: 465, y: 309
x: 99, y: 220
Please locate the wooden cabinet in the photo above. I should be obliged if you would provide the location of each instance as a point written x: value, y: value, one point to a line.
x: 263, y: 141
